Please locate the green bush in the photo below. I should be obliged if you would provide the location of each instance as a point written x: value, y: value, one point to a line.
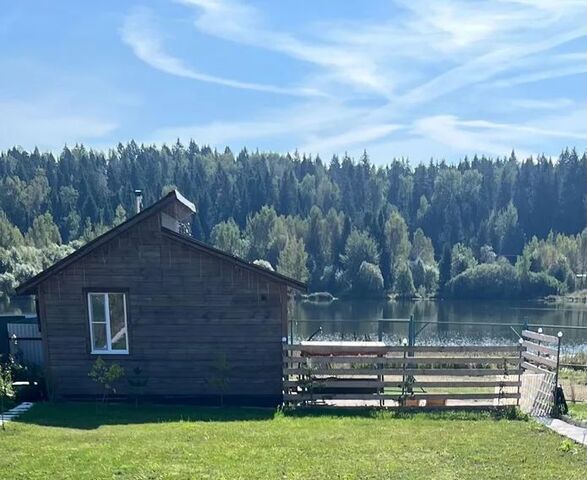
x: 540, y: 285
x: 369, y: 279
x: 502, y: 281
x: 488, y: 280
x: 404, y: 283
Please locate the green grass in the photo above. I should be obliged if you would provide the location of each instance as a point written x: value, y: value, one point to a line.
x: 150, y: 442
x: 578, y: 411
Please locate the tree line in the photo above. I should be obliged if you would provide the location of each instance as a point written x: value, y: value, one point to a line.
x: 498, y: 227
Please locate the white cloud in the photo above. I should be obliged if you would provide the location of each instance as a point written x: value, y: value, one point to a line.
x: 139, y: 33
x: 541, y: 75
x: 349, y: 139
x: 298, y: 124
x: 407, y: 65
x: 486, y: 66
x: 236, y: 22
x: 482, y: 136
x: 540, y: 104
x: 46, y: 125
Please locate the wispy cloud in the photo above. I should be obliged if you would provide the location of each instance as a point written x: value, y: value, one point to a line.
x: 243, y: 24
x: 140, y: 33
x: 407, y: 65
x: 541, y: 104
x: 483, y: 136
x: 542, y: 75
x: 52, y: 125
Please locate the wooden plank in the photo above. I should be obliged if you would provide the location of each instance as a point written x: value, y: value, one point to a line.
x: 539, y: 348
x: 356, y: 360
x: 332, y: 350
x: 465, y: 384
x: 379, y: 384
x: 540, y: 337
x: 351, y: 372
x: 534, y: 368
x: 301, y: 397
x: 547, y: 362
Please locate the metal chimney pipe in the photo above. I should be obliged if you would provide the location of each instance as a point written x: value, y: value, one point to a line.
x: 139, y: 200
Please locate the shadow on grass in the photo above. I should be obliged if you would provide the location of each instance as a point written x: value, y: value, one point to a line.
x: 89, y: 416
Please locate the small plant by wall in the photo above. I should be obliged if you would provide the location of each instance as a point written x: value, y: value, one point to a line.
x: 6, y: 390
x: 220, y: 376
x: 106, y: 376
x: 137, y: 381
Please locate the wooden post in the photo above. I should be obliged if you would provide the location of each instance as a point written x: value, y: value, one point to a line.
x: 405, y: 345
x: 381, y: 378
x: 521, y: 349
x: 558, y: 355
x: 411, y: 334
x: 379, y: 331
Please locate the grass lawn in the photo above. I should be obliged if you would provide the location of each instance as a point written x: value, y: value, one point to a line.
x: 578, y: 411
x: 151, y: 442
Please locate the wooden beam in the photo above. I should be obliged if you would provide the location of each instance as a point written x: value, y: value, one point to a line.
x: 378, y: 350
x: 534, y: 368
x: 539, y: 348
x: 358, y: 360
x: 397, y: 384
x: 457, y: 372
x: 539, y: 336
x: 547, y: 362
x: 378, y: 396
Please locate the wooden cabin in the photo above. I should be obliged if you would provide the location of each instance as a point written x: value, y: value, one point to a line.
x: 186, y: 321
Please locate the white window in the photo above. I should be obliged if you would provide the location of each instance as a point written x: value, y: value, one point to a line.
x: 108, y: 329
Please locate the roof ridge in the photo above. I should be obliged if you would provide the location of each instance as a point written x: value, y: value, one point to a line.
x: 228, y: 256
x: 25, y: 287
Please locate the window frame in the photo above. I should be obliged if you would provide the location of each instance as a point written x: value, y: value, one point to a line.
x: 105, y: 294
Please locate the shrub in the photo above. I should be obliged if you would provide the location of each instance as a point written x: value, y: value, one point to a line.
x: 404, y: 283
x: 540, y: 285
x: 431, y: 279
x: 369, y: 279
x: 106, y: 376
x: 6, y: 389
x: 488, y: 280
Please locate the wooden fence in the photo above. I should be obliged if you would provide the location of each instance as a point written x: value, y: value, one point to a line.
x: 25, y: 343
x: 540, y: 365
x: 343, y: 373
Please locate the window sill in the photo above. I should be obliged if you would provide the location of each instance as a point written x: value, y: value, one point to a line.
x: 109, y: 352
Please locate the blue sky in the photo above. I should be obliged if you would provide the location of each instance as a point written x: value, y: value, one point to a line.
x: 403, y: 78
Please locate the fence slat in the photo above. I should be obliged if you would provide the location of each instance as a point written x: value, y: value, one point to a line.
x: 378, y: 350
x: 547, y: 362
x: 539, y: 336
x: 357, y: 360
x: 459, y: 372
x: 534, y: 368
x: 539, y: 348
x: 397, y: 384
x: 301, y: 397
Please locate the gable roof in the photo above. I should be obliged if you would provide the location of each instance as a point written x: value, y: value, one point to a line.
x: 198, y: 245
x: 174, y: 199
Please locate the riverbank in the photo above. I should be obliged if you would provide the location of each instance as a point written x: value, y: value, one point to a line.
x: 580, y: 297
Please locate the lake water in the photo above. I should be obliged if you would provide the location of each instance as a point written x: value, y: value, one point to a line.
x: 438, y: 322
